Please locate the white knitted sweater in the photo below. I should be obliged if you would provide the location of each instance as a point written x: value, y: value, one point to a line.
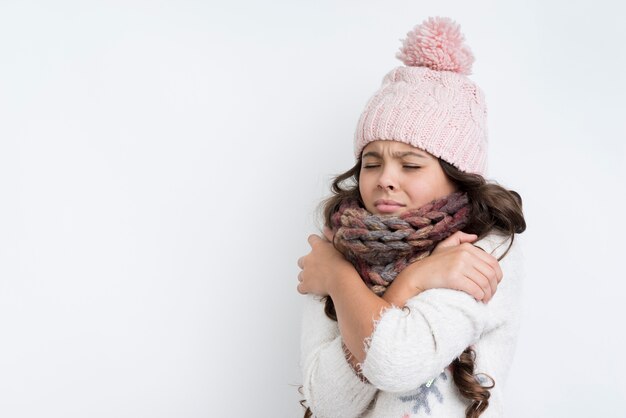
x: 409, y: 349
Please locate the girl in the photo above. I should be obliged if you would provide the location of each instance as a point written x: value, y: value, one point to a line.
x: 409, y: 323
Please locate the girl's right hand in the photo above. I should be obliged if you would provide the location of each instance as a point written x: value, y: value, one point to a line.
x: 456, y: 264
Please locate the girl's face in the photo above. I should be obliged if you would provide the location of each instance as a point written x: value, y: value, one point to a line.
x: 396, y: 177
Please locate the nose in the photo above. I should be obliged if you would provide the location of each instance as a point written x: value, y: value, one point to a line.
x: 388, y: 186
x: 387, y: 180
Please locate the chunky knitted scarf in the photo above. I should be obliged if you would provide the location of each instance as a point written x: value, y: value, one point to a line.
x: 380, y: 246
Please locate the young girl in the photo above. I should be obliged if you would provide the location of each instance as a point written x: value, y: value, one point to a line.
x: 402, y: 318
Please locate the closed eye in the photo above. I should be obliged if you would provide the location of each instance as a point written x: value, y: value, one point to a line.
x: 409, y: 167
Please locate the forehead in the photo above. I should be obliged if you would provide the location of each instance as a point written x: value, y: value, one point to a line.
x: 393, y: 147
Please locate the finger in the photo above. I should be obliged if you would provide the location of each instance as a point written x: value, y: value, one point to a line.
x: 451, y: 241
x: 457, y: 238
x: 328, y: 233
x: 481, y: 281
x: 487, y: 271
x: 300, y: 289
x: 468, y: 286
x: 485, y: 266
x: 487, y: 279
x: 313, y: 239
x: 463, y: 237
x: 487, y: 258
x: 300, y: 276
x: 498, y: 270
x: 493, y: 263
x: 301, y: 262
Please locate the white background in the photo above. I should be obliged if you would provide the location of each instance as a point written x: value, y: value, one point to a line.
x: 160, y: 165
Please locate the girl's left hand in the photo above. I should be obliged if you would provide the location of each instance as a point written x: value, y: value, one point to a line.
x: 321, y: 266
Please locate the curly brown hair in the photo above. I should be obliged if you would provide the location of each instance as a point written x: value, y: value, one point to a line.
x: 491, y: 206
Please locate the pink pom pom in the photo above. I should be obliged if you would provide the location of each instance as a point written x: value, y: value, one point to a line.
x: 437, y: 44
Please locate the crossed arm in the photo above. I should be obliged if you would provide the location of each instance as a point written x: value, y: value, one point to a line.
x: 455, y: 264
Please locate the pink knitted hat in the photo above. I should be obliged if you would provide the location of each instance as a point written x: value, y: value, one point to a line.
x: 430, y: 103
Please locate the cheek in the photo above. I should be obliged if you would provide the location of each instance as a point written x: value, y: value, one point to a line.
x: 364, y: 183
x: 429, y: 189
x: 419, y: 192
x: 444, y: 186
x: 365, y: 189
x: 424, y: 190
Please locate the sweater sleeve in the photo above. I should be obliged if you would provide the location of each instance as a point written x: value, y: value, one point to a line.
x: 331, y: 388
x: 411, y: 346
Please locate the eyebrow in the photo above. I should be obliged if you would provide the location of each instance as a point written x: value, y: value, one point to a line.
x: 395, y: 154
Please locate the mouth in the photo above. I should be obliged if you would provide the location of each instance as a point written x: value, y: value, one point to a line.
x: 386, y: 206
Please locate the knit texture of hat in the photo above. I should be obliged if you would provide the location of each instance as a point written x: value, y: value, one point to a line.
x: 430, y: 103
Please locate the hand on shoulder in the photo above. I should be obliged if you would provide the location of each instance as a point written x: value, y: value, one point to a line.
x: 456, y: 263
x: 322, y: 267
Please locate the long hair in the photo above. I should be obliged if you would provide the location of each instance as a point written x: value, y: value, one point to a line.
x: 491, y: 206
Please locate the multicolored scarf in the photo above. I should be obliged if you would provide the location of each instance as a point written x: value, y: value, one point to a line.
x: 380, y: 246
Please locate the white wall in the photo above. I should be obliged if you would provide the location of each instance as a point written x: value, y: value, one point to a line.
x: 160, y: 163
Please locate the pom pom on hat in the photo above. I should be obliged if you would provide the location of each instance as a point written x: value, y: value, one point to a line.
x: 437, y: 44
